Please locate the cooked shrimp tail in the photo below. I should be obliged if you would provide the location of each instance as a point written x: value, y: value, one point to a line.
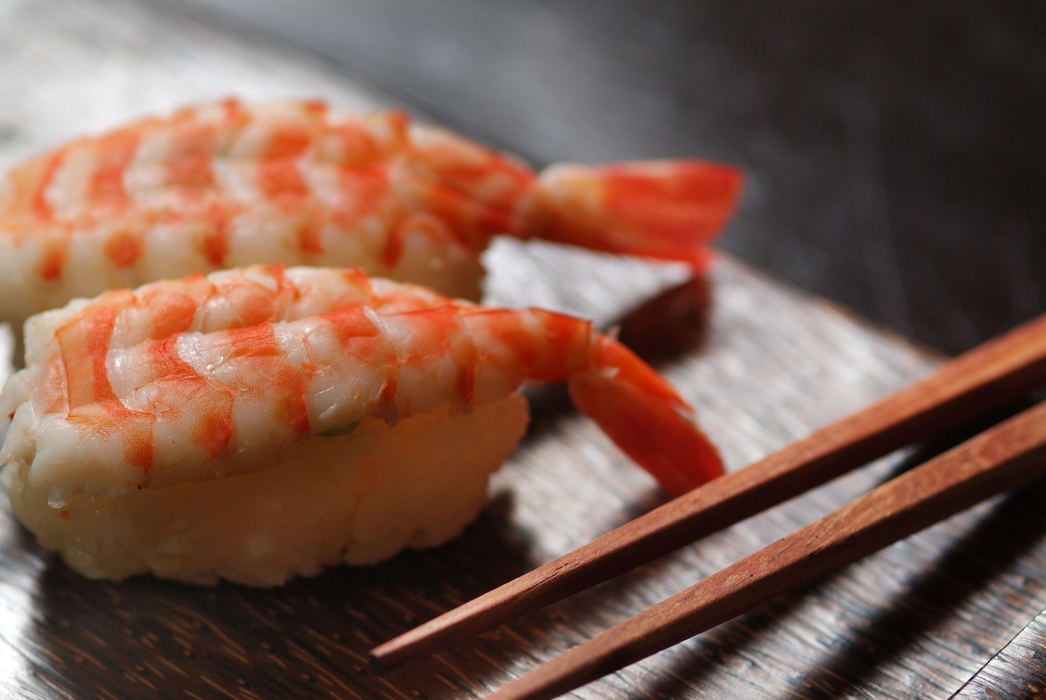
x: 633, y: 405
x: 667, y: 209
x: 645, y: 417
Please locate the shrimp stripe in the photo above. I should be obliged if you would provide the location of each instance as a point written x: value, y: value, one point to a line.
x: 183, y: 390
x: 54, y: 255
x: 256, y: 347
x: 27, y: 188
x: 544, y: 346
x: 91, y: 399
x: 362, y: 189
x: 278, y: 175
x: 113, y: 154
x: 188, y: 165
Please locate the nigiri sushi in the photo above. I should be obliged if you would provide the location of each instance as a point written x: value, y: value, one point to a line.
x: 263, y: 423
x: 227, y: 184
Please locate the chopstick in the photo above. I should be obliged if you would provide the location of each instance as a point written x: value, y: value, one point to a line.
x: 972, y: 385
x: 1009, y: 455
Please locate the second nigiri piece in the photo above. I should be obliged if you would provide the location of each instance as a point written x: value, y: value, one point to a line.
x: 227, y: 184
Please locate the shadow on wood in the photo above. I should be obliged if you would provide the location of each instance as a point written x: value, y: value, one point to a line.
x: 670, y: 325
x: 984, y: 543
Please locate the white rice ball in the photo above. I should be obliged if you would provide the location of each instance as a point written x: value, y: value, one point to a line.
x: 354, y: 499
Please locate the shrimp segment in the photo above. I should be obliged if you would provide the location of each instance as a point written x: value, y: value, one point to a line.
x: 120, y: 393
x: 225, y: 184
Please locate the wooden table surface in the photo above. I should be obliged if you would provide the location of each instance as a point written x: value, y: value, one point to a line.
x: 763, y: 363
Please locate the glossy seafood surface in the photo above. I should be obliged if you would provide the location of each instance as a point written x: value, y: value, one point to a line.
x: 227, y: 184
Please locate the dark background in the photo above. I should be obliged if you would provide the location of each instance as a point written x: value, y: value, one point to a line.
x: 894, y: 150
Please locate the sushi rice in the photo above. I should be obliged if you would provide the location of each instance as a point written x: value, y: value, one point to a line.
x: 355, y: 499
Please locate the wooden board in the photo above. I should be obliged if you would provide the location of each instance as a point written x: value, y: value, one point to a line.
x: 764, y: 365
x: 1017, y: 671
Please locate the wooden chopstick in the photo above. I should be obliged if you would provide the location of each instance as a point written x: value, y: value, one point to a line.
x: 970, y: 386
x: 1009, y: 455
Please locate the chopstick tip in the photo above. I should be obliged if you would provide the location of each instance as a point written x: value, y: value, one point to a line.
x: 384, y: 658
x: 407, y: 647
x: 377, y: 666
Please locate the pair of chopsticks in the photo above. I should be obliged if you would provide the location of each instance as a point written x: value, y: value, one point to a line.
x: 973, y: 385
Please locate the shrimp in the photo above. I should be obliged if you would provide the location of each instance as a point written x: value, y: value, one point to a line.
x: 181, y: 386
x: 225, y: 184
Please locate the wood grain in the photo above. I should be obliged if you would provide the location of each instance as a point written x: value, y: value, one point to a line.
x: 965, y: 389
x: 915, y: 620
x: 1017, y: 672
x: 1008, y: 455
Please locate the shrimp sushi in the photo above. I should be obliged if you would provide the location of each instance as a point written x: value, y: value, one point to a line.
x: 226, y: 184
x: 263, y: 423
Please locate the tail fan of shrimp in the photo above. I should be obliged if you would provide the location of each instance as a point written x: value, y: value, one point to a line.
x: 227, y: 184
x: 645, y: 417
x: 663, y: 209
x: 669, y: 210
x: 262, y: 423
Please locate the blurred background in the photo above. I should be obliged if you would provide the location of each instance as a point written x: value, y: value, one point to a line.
x: 894, y: 150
